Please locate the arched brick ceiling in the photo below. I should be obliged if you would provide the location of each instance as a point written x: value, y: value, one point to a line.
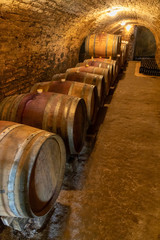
x: 93, y: 13
x: 86, y: 16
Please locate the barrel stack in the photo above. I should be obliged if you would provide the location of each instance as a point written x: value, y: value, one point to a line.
x: 106, y: 52
x: 53, y: 112
x: 39, y: 128
x: 82, y: 90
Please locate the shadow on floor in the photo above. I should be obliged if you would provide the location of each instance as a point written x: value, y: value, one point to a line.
x: 75, y: 167
x: 57, y: 224
x: 2, y: 227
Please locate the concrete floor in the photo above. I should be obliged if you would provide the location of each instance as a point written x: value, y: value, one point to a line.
x: 115, y: 194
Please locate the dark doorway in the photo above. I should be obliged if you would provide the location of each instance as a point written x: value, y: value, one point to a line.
x: 82, y: 52
x: 145, y: 46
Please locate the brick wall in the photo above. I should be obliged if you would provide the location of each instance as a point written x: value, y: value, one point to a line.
x: 32, y: 48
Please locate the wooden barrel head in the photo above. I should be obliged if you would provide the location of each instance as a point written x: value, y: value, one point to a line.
x: 44, y: 177
x: 32, y: 163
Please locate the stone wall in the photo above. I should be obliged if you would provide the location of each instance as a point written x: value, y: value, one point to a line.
x: 31, y: 49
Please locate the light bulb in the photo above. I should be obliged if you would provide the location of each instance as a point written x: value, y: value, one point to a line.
x: 123, y: 23
x: 112, y: 13
x: 128, y: 27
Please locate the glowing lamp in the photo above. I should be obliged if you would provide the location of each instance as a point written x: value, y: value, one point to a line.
x: 123, y: 23
x: 112, y: 13
x: 128, y: 28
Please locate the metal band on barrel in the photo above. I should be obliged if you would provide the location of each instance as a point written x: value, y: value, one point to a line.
x: 70, y: 125
x: 106, y: 45
x: 12, y: 174
x: 8, y: 129
x: 94, y: 44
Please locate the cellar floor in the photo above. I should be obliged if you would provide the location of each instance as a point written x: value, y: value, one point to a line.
x: 115, y: 193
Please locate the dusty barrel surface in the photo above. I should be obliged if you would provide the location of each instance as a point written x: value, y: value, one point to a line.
x: 58, y: 113
x: 82, y: 90
x: 94, y: 70
x: 32, y: 163
x: 100, y: 64
x: 103, y: 45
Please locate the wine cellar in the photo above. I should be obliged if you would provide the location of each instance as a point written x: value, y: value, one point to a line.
x: 79, y: 120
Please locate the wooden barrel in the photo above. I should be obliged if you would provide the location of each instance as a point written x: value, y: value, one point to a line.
x: 82, y: 90
x: 103, y: 45
x: 89, y: 78
x: 99, y: 64
x: 95, y: 70
x: 32, y: 163
x: 113, y: 62
x: 123, y: 54
x: 58, y: 113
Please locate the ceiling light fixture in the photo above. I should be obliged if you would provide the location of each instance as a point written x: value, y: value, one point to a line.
x: 128, y: 28
x: 123, y: 23
x: 112, y: 13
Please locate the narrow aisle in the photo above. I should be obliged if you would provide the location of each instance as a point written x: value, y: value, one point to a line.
x: 120, y: 199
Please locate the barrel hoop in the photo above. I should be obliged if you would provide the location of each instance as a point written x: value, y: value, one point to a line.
x: 9, y: 129
x: 87, y: 44
x: 70, y: 123
x: 83, y: 91
x: 113, y: 46
x: 58, y: 105
x: 116, y: 47
x: 91, y: 90
x: 10, y: 107
x: 12, y: 174
x: 106, y: 45
x: 45, y: 114
x: 16, y: 105
x: 12, y: 110
x: 64, y: 124
x: 94, y: 81
x: 94, y: 46
x: 71, y: 88
x: 94, y: 70
x: 2, y: 105
x: 85, y: 78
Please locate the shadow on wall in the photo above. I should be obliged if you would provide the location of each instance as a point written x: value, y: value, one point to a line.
x: 82, y: 52
x: 145, y: 43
